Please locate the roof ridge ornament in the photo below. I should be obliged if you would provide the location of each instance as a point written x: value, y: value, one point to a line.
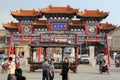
x: 85, y: 10
x: 68, y: 6
x: 50, y: 6
x: 21, y: 10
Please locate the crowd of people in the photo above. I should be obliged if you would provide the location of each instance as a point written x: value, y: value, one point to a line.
x: 15, y: 72
x: 11, y: 66
x: 49, y: 69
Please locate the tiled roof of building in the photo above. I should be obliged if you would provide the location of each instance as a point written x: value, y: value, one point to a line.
x: 92, y: 13
x: 105, y: 26
x: 16, y: 25
x: 11, y: 25
x: 26, y: 13
x: 59, y: 10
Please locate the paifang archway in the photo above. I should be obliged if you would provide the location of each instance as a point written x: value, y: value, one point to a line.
x: 59, y: 26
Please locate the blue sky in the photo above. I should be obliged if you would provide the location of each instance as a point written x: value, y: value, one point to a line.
x: 111, y: 6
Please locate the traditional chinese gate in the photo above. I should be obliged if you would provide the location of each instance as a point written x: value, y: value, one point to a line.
x: 58, y: 25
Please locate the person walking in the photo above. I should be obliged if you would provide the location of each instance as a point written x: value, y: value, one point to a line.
x: 104, y: 67
x: 65, y: 69
x: 18, y: 72
x: 45, y: 67
x: 52, y: 69
x: 11, y: 69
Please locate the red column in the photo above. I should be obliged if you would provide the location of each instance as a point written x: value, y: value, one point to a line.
x: 20, y: 30
x: 86, y: 32
x: 107, y: 50
x: 40, y: 37
x: 68, y: 29
x: 9, y: 51
x: 49, y: 28
x: 76, y: 37
x: 10, y: 46
x: 12, y: 50
x: 39, y: 53
x: 97, y: 32
x: 32, y: 32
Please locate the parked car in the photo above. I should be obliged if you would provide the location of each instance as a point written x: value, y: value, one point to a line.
x: 117, y: 60
x: 85, y: 58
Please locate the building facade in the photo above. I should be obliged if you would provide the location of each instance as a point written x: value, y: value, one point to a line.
x: 3, y: 41
x: 114, y: 40
x: 59, y: 24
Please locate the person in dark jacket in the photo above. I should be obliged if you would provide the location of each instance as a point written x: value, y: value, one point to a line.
x: 18, y: 72
x: 65, y: 69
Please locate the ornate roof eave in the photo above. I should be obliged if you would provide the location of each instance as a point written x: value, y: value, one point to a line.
x: 58, y: 10
x: 107, y: 26
x: 92, y: 14
x: 26, y: 13
x: 11, y: 25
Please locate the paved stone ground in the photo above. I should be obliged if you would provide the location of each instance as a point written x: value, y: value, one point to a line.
x: 85, y: 72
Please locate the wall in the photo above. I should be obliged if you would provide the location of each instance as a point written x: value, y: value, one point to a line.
x: 115, y: 41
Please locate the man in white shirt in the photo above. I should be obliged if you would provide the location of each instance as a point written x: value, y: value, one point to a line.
x: 11, y: 69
